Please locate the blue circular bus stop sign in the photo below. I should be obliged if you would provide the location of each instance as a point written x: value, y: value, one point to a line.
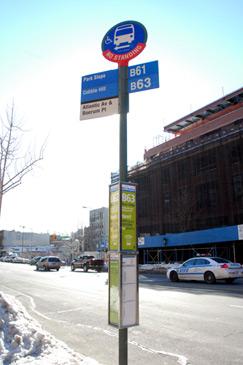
x: 124, y: 41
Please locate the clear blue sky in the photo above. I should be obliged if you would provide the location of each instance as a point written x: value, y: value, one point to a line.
x: 46, y: 46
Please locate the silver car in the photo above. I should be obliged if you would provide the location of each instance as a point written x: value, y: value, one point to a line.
x: 208, y: 269
x: 48, y: 262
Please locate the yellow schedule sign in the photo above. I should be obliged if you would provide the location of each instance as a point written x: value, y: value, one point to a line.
x: 128, y: 217
x: 123, y: 273
x: 122, y: 217
x: 114, y: 298
x: 114, y: 217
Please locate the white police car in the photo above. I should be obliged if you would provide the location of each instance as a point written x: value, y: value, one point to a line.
x: 206, y: 268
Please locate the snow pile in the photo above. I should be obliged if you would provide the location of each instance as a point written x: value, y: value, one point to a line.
x: 160, y: 268
x: 23, y: 341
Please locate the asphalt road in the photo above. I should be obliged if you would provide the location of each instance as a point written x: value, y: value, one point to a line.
x: 180, y: 323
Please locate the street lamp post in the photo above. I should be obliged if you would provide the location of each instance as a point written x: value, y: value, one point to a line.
x: 85, y: 231
x: 89, y: 209
x: 22, y: 249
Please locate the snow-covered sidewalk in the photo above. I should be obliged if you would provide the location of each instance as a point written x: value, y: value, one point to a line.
x: 23, y: 341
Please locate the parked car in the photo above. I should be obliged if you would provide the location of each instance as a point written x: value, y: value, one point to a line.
x: 48, y: 262
x: 21, y: 260
x: 34, y: 260
x: 86, y: 263
x: 208, y: 269
x: 9, y: 258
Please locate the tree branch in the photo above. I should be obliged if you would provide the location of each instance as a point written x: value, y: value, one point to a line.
x: 11, y: 173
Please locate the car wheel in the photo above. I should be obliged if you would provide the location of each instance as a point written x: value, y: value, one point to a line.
x: 229, y: 280
x: 209, y: 277
x: 86, y: 268
x: 72, y: 267
x: 37, y: 268
x: 174, y: 276
x: 58, y: 269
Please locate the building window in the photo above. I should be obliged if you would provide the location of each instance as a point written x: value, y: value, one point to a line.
x: 236, y: 154
x: 206, y: 195
x: 205, y: 162
x: 183, y: 169
x: 165, y: 175
x: 237, y: 182
x: 167, y: 198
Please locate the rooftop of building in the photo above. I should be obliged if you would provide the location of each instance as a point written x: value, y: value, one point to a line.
x: 208, y: 119
x: 211, y: 110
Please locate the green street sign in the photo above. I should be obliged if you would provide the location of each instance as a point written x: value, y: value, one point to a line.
x: 114, y: 217
x: 114, y: 280
x: 122, y: 217
x: 128, y: 217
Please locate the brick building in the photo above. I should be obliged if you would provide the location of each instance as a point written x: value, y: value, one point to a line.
x: 194, y: 181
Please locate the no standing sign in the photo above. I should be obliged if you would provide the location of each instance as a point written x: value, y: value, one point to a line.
x: 124, y: 41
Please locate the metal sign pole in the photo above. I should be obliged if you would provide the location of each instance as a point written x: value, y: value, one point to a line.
x: 123, y: 110
x: 121, y: 43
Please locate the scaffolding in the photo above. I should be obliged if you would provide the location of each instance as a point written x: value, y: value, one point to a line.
x: 173, y: 255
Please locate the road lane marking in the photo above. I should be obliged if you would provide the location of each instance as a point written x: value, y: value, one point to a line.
x: 32, y: 304
x: 182, y: 360
x: 69, y: 310
x: 236, y: 306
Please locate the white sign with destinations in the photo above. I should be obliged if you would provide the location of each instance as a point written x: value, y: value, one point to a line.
x: 98, y: 108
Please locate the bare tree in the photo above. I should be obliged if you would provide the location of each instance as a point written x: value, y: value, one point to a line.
x: 14, y: 163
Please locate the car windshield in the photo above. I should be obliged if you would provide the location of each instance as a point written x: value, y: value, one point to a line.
x: 219, y: 260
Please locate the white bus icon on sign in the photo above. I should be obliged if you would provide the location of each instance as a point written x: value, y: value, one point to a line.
x: 124, y: 35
